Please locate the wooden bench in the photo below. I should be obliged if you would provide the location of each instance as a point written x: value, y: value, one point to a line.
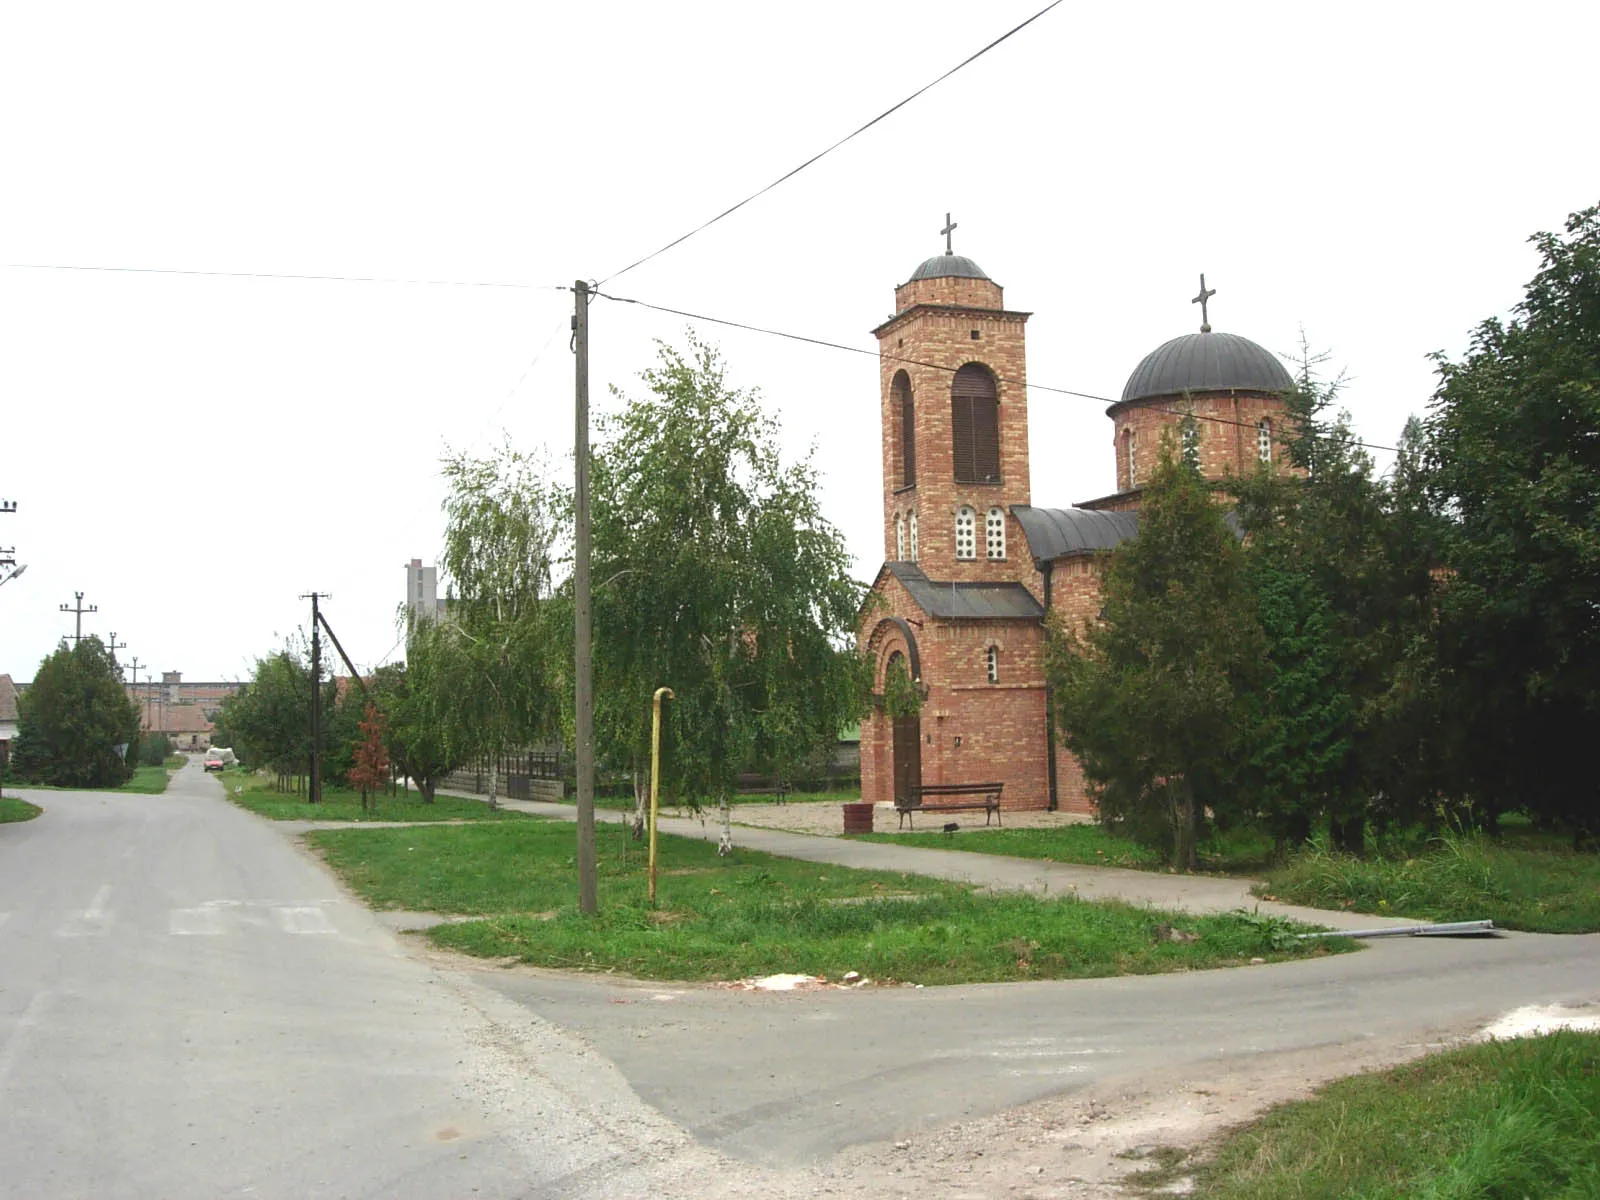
x: 947, y: 797
x: 763, y: 785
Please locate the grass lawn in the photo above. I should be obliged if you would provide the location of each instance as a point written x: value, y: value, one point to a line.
x: 1523, y: 880
x: 149, y: 781
x: 344, y: 804
x: 1505, y: 1119
x: 13, y: 809
x: 755, y: 914
x: 1237, y: 852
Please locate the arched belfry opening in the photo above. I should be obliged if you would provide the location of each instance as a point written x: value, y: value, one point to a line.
x: 906, y: 410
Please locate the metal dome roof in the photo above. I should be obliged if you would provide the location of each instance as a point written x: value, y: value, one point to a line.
x: 948, y: 266
x: 1206, y: 362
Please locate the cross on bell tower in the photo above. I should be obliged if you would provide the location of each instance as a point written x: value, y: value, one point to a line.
x: 1205, y: 294
x: 949, y: 228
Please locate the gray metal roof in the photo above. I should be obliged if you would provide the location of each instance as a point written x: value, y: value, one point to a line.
x: 1203, y: 362
x: 1057, y: 532
x: 969, y: 601
x: 948, y: 266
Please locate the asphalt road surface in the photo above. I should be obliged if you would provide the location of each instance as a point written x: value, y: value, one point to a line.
x: 190, y: 1007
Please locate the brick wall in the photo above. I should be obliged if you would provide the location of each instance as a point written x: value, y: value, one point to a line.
x: 1227, y: 446
x: 973, y: 731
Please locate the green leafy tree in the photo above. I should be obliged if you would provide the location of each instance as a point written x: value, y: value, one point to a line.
x: 155, y: 749
x: 1513, y: 466
x: 715, y: 574
x: 269, y: 717
x: 416, y: 705
x: 490, y: 678
x: 73, y: 718
x: 1341, y: 600
x: 1152, y: 697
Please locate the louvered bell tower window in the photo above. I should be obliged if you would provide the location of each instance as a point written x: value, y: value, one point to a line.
x: 975, y: 426
x: 1264, y: 441
x: 899, y: 538
x: 908, y: 429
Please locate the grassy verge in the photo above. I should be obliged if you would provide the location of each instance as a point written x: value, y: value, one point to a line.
x: 14, y: 809
x: 255, y: 792
x: 1519, y: 882
x: 755, y: 914
x: 1237, y: 852
x: 176, y: 762
x: 1505, y: 1119
x: 148, y: 781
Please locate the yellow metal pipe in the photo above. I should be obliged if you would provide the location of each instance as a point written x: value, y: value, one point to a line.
x: 655, y: 777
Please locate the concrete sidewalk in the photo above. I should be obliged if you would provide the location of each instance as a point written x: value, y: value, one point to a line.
x: 1183, y: 893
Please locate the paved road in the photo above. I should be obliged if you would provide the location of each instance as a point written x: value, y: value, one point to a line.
x: 189, y: 1007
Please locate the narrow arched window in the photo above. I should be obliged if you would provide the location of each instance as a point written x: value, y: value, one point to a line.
x: 1264, y: 441
x: 899, y: 538
x: 994, y: 533
x: 994, y: 664
x: 975, y: 426
x: 1132, y: 438
x: 912, y: 522
x: 966, y: 532
x: 906, y: 414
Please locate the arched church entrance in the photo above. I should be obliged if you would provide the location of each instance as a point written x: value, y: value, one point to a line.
x: 907, y: 741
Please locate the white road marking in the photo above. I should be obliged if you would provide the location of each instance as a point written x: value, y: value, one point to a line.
x: 205, y: 921
x: 302, y: 919
x: 92, y: 922
x: 13, y: 1042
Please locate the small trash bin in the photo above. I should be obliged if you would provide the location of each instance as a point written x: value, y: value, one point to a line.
x: 858, y: 818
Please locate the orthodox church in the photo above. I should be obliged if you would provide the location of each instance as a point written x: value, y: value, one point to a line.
x: 973, y: 567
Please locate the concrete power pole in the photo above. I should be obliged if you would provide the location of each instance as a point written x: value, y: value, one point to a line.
x: 79, y: 610
x: 588, y: 889
x: 135, y: 668
x: 316, y: 696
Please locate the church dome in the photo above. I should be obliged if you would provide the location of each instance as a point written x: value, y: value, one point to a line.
x: 1206, y: 362
x: 948, y: 266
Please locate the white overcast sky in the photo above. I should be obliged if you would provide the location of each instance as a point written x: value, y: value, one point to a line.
x: 194, y: 452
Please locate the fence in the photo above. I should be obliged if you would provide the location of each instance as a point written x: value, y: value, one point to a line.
x: 524, y: 775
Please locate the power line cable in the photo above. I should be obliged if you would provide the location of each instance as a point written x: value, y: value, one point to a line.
x: 824, y: 153
x: 881, y: 354
x: 475, y: 283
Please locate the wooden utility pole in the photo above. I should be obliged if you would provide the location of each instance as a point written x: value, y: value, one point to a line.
x: 315, y: 795
x: 79, y: 610
x: 583, y: 667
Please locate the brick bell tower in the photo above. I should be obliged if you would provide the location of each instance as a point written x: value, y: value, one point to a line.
x: 952, y: 370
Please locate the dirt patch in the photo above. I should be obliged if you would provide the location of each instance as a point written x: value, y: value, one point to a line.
x: 1087, y: 1146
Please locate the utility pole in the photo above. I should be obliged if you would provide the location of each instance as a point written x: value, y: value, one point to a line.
x: 113, y: 646
x: 316, y: 696
x: 79, y: 610
x: 136, y: 665
x: 588, y: 887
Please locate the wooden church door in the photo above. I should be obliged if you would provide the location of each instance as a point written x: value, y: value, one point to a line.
x: 907, y: 757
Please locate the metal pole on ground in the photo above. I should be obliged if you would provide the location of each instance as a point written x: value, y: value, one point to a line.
x: 662, y: 693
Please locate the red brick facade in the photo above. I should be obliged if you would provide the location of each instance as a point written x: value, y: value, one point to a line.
x: 984, y: 700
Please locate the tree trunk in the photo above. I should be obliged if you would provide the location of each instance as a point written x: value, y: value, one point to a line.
x: 1180, y: 795
x: 494, y: 781
x: 425, y: 788
x: 641, y: 802
x: 1348, y: 835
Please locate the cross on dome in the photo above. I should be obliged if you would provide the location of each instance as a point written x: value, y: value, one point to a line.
x: 1205, y: 294
x: 949, y: 228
